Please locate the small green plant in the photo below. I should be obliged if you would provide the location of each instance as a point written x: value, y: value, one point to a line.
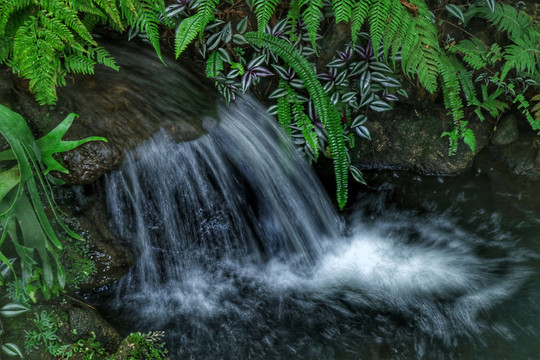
x: 22, y: 214
x: 87, y: 348
x: 45, y: 334
x: 144, y: 346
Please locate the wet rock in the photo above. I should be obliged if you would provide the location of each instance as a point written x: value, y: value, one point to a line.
x: 513, y: 166
x: 75, y: 321
x: 126, y: 107
x: 507, y: 131
x: 407, y: 140
x: 112, y: 257
x: 88, y: 323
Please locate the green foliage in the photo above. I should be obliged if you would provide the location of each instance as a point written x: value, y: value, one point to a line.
x: 86, y: 349
x: 329, y: 116
x: 43, y: 40
x: 190, y: 27
x: 343, y: 9
x: 45, y: 334
x: 10, y: 310
x: 145, y: 346
x: 516, y: 63
x: 22, y: 213
x: 264, y: 9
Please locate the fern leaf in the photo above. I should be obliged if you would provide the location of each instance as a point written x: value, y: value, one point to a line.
x: 507, y: 18
x: 264, y: 9
x: 420, y: 48
x: 523, y: 56
x: 378, y: 17
x: 474, y: 52
x: 148, y: 21
x: 312, y: 17
x: 109, y: 8
x: 102, y: 56
x: 359, y: 15
x: 465, y: 79
x: 392, y: 34
x: 308, y: 130
x: 36, y: 60
x: 79, y: 64
x: 343, y: 9
x: 8, y: 7
x: 284, y: 107
x: 326, y: 111
x: 450, y: 85
x: 69, y: 16
x: 190, y: 27
x: 5, y: 48
x: 293, y: 17
x: 214, y: 65
x: 186, y: 33
x: 206, y: 9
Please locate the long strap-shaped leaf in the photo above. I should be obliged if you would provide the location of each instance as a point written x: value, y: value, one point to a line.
x: 327, y: 112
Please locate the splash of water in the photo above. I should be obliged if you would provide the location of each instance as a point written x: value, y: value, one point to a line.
x: 241, y: 255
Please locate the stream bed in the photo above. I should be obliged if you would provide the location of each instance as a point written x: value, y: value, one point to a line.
x: 241, y: 255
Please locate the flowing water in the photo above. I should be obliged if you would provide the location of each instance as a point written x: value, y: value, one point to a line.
x: 241, y: 255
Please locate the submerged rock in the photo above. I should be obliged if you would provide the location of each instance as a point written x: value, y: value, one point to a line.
x: 126, y: 107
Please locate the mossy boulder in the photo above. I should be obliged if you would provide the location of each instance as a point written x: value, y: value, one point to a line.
x: 126, y: 107
x: 406, y: 139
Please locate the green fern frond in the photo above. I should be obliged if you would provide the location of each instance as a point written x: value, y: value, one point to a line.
x: 35, y: 59
x: 308, y: 130
x: 474, y: 52
x: 147, y: 21
x: 69, y: 16
x: 187, y: 32
x: 8, y: 7
x: 524, y: 107
x: 214, y: 65
x: 127, y: 8
x: 420, y: 51
x: 312, y: 18
x: 206, y: 8
x: 284, y: 114
x: 450, y: 67
x: 264, y: 9
x: 395, y: 29
x: 378, y: 18
x: 465, y: 79
x: 79, y: 64
x: 343, y: 9
x: 507, y: 18
x: 329, y: 116
x: 193, y: 25
x: 523, y: 55
x: 359, y: 15
x: 102, y: 56
x: 490, y: 102
x: 109, y: 8
x: 293, y: 16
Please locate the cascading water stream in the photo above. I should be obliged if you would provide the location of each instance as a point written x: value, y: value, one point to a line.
x: 241, y: 255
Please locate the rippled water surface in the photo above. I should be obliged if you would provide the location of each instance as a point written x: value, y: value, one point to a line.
x: 242, y: 256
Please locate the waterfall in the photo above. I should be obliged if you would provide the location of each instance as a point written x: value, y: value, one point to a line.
x: 242, y: 255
